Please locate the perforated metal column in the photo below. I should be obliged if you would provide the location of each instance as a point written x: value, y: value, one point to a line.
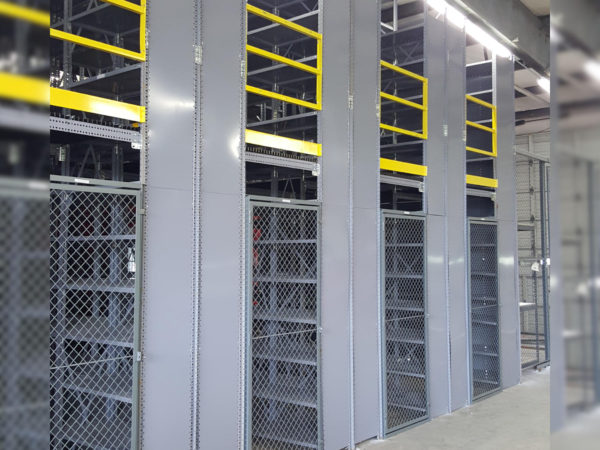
x: 485, y: 342
x: 93, y: 317
x: 283, y: 379
x: 404, y: 321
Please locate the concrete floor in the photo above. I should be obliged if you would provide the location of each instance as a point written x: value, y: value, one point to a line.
x: 517, y: 418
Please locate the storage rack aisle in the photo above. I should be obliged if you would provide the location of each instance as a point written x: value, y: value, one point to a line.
x: 97, y: 66
x: 284, y: 77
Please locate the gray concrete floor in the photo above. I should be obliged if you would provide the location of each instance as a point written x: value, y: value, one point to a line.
x: 517, y: 418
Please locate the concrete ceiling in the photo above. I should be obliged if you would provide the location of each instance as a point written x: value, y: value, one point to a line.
x: 538, y: 7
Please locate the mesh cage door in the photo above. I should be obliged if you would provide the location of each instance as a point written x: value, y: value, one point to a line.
x: 404, y: 322
x: 283, y: 379
x: 483, y: 291
x: 94, y: 301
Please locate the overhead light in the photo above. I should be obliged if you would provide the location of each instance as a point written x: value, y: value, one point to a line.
x: 438, y: 5
x: 544, y: 83
x: 592, y: 67
x: 486, y: 39
x: 455, y: 17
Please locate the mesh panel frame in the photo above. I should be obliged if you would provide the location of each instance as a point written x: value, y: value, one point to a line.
x: 95, y: 245
x: 484, y: 309
x: 533, y: 247
x: 404, y: 322
x: 283, y: 331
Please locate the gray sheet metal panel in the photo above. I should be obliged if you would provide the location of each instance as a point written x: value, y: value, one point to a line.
x: 222, y: 199
x: 508, y: 279
x: 456, y: 218
x: 366, y: 216
x: 436, y: 158
x: 335, y: 269
x: 167, y: 301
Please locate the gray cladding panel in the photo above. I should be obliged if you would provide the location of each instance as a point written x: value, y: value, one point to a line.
x: 167, y: 327
x: 335, y: 312
x: 507, y: 226
x: 365, y: 229
x: 456, y: 234
x: 222, y: 225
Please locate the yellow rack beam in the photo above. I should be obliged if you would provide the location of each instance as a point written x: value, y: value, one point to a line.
x: 403, y: 71
x: 282, y: 143
x: 404, y: 167
x: 31, y: 15
x: 282, y: 60
x: 401, y: 100
x: 129, y: 6
x: 24, y: 89
x: 482, y: 181
x: 403, y: 131
x: 318, y: 70
x: 493, y: 129
x: 281, y: 21
x: 96, y: 105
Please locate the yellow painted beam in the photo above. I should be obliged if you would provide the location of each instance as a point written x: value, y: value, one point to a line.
x: 395, y: 99
x: 480, y: 102
x: 96, y: 105
x: 129, y: 6
x: 404, y: 167
x: 91, y: 43
x: 482, y: 181
x: 282, y: 60
x: 283, y: 98
x: 481, y: 127
x: 403, y: 71
x: 31, y: 15
x: 403, y: 131
x: 282, y: 143
x: 481, y: 152
x: 281, y: 21
x: 24, y: 88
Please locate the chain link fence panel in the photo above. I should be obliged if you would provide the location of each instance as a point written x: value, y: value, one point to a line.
x: 24, y: 314
x: 93, y: 317
x: 532, y: 198
x: 485, y: 339
x: 284, y: 322
x: 404, y: 327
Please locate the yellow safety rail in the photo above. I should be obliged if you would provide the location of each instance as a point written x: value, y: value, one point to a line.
x: 482, y: 181
x: 422, y: 107
x: 318, y: 70
x: 282, y: 143
x: 91, y: 43
x: 493, y: 129
x: 399, y: 166
x: 36, y: 90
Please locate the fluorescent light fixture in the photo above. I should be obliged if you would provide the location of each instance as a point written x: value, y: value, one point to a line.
x: 438, y: 5
x: 592, y: 67
x: 455, y: 17
x: 486, y: 40
x: 544, y: 83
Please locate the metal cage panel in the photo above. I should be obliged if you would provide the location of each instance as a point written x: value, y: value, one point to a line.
x: 404, y: 333
x: 94, y: 300
x: 484, y: 312
x: 283, y: 379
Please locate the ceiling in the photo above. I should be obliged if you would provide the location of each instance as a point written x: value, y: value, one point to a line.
x: 538, y: 7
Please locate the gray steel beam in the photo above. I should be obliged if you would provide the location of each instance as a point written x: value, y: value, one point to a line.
x: 221, y: 122
x: 168, y: 275
x: 578, y: 19
x: 436, y: 159
x: 514, y: 25
x: 336, y: 215
x: 365, y: 213
x: 456, y: 227
x: 506, y: 201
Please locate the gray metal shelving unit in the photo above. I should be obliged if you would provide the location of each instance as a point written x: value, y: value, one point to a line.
x: 404, y: 321
x: 94, y: 314
x: 283, y: 310
x: 484, y: 310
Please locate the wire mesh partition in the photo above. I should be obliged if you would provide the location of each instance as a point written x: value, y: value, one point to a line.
x: 485, y: 339
x: 24, y: 313
x: 93, y: 317
x: 283, y: 378
x: 404, y: 316
x: 532, y: 218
